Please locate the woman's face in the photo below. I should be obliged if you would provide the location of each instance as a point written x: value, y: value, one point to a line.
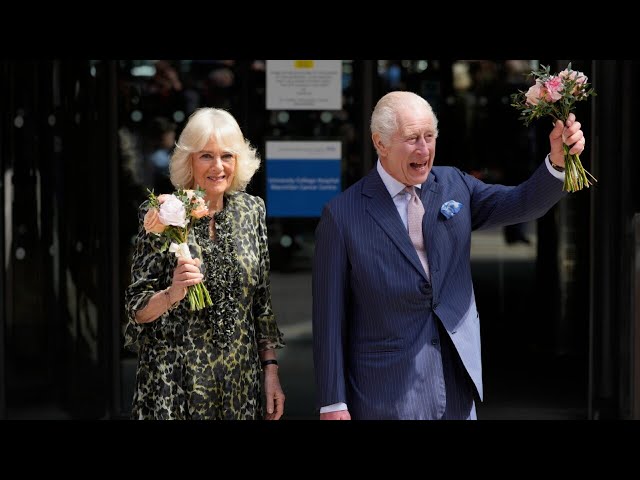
x: 213, y: 169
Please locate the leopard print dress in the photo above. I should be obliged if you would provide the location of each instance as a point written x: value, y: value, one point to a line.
x: 205, y: 364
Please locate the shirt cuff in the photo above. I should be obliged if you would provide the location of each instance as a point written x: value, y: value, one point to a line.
x: 336, y: 407
x: 553, y: 171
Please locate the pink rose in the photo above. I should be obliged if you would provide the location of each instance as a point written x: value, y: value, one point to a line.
x: 579, y: 78
x: 571, y: 75
x: 190, y: 194
x: 535, y: 93
x: 580, y: 81
x: 200, y: 208
x: 554, y: 86
x: 152, y: 223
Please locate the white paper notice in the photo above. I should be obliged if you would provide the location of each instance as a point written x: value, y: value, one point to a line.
x: 304, y: 84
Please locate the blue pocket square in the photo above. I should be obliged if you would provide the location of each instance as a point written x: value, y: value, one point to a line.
x: 450, y: 208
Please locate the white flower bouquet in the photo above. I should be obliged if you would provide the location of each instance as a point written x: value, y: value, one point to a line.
x: 170, y: 216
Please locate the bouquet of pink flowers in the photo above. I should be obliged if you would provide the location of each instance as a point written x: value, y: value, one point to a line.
x: 170, y: 216
x: 555, y: 96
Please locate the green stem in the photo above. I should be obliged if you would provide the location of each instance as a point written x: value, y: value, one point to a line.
x: 199, y: 297
x: 575, y: 175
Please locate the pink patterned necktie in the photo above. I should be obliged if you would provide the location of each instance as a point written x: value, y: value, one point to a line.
x: 415, y: 212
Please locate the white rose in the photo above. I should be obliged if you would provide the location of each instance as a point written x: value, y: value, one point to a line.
x: 172, y: 212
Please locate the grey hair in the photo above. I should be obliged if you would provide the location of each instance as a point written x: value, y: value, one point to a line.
x: 384, y: 119
x: 213, y: 123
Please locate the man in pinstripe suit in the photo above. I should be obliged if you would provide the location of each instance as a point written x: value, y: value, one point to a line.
x: 395, y: 337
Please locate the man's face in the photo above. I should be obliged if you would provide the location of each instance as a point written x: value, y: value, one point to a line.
x: 408, y: 156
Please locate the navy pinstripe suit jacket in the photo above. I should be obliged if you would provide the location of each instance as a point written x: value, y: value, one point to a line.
x: 374, y: 313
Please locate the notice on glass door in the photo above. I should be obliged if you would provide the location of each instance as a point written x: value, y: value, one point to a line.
x: 304, y: 85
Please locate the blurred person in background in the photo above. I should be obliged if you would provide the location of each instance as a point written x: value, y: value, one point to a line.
x: 164, y: 94
x: 162, y: 137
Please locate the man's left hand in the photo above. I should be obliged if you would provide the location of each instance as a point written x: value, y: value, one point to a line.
x: 569, y: 133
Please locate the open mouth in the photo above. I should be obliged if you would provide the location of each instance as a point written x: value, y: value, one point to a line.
x: 419, y: 166
x: 217, y: 179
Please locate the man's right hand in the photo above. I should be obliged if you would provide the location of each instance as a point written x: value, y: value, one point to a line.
x: 339, y: 415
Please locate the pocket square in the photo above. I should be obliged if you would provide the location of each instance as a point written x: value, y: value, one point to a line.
x: 450, y: 208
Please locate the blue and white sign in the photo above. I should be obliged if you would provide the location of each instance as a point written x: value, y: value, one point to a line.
x: 302, y: 176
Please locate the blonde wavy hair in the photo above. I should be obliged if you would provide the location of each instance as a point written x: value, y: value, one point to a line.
x: 213, y: 123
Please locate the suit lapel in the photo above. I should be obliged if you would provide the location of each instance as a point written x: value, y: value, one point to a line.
x: 383, y: 211
x: 431, y: 197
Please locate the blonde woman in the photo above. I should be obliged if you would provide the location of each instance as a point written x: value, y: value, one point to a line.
x: 214, y: 363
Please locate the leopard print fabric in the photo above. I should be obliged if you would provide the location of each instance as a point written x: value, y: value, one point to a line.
x: 205, y: 364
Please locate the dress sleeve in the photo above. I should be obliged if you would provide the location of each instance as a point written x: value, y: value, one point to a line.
x: 148, y: 275
x: 269, y: 336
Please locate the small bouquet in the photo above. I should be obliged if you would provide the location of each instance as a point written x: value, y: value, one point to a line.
x: 555, y: 96
x: 170, y: 216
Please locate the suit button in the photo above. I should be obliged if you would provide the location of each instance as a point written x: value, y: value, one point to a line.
x: 424, y: 288
x: 435, y: 305
x: 434, y: 341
